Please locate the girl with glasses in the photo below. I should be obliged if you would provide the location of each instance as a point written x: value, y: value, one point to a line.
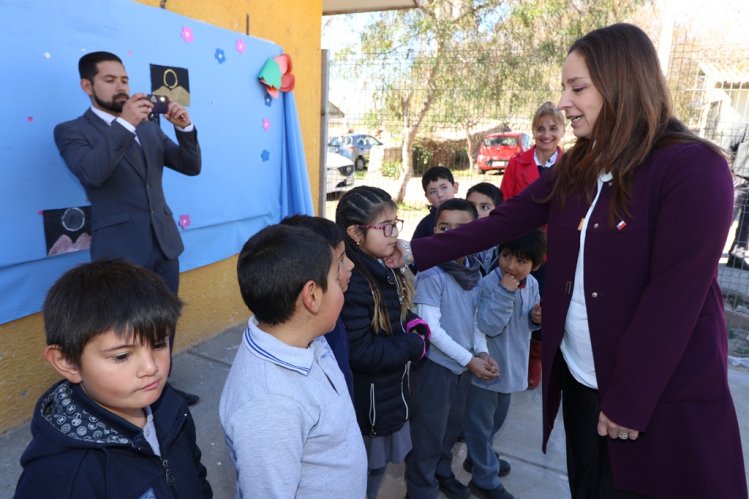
x: 385, y: 337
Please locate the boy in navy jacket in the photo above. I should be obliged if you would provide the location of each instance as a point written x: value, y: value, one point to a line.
x: 113, y: 427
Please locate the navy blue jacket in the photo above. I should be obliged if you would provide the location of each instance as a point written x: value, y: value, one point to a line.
x: 380, y: 363
x: 80, y: 450
x: 338, y: 341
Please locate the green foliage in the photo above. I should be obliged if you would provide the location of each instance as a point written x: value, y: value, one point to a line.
x: 391, y: 169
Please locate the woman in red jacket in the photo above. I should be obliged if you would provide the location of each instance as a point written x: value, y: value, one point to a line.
x: 525, y: 168
x: 522, y: 171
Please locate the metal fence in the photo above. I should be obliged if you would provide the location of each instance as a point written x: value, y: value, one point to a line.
x: 709, y: 85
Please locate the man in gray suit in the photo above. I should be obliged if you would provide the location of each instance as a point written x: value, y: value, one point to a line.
x: 118, y: 155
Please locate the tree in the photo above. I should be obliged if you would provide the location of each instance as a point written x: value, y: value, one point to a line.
x: 460, y: 62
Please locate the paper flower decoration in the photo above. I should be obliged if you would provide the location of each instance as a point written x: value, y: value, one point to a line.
x: 187, y: 35
x: 276, y: 75
x: 240, y: 46
x: 184, y: 221
x: 268, y: 100
x: 265, y: 155
x: 220, y: 57
x: 266, y: 124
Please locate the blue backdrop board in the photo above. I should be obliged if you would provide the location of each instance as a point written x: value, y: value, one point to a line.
x: 254, y: 171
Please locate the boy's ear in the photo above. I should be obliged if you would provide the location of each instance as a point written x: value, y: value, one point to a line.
x: 455, y: 187
x: 68, y: 369
x: 311, y: 296
x: 354, y: 233
x: 536, y: 267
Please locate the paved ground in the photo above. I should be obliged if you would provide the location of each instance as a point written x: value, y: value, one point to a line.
x: 204, y: 367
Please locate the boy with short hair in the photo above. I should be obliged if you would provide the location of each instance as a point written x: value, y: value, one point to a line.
x: 337, y: 338
x: 509, y: 310
x: 113, y: 425
x: 285, y: 409
x: 439, y: 186
x: 446, y: 298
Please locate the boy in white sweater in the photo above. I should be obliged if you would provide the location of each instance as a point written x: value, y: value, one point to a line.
x: 285, y: 409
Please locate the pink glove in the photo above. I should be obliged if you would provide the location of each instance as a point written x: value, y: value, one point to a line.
x: 420, y: 327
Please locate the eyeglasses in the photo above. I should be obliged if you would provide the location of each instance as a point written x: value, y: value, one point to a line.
x: 387, y: 229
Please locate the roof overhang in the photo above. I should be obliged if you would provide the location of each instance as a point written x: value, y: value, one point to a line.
x: 332, y: 7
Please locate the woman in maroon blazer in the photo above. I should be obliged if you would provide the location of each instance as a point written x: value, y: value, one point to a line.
x: 634, y: 335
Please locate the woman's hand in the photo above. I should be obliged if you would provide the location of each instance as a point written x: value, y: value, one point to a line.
x: 606, y: 427
x: 401, y: 256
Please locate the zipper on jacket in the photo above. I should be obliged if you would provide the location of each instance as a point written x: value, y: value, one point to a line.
x: 568, y: 287
x: 167, y: 472
x: 372, y: 411
x: 407, y: 377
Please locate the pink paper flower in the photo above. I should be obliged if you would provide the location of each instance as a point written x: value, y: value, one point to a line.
x: 184, y: 221
x: 187, y: 34
x: 266, y: 124
x: 240, y: 46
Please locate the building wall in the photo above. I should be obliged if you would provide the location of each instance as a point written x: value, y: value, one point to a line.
x: 210, y: 293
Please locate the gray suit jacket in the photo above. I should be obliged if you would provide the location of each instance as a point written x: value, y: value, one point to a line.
x: 128, y: 210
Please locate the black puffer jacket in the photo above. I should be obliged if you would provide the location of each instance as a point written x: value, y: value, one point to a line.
x: 380, y: 363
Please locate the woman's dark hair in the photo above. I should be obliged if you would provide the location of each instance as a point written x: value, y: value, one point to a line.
x: 361, y: 206
x: 105, y: 295
x: 636, y: 116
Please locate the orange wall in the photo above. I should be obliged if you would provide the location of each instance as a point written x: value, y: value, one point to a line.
x: 211, y: 295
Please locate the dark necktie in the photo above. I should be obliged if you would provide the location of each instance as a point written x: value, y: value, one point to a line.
x: 139, y: 159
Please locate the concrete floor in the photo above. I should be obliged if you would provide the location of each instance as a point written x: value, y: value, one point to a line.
x: 202, y: 369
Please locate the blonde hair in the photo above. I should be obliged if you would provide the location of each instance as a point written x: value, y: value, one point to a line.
x: 547, y: 109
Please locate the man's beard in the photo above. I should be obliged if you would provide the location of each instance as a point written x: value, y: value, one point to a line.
x: 113, y: 105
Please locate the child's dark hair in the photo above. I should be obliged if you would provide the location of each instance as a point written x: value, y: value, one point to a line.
x: 360, y: 206
x: 489, y: 190
x: 434, y: 173
x: 530, y: 246
x: 322, y: 226
x: 87, y: 65
x: 456, y: 204
x: 105, y: 295
x: 275, y: 264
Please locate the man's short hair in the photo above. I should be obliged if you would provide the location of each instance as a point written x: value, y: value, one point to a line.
x: 87, y: 65
x: 105, y: 295
x: 456, y: 204
x: 435, y: 173
x: 530, y: 246
x: 319, y: 225
x: 275, y: 264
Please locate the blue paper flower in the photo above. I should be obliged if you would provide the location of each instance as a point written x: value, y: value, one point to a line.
x: 268, y: 100
x: 265, y: 155
x: 220, y: 57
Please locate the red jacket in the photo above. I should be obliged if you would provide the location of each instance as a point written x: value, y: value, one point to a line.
x: 521, y: 172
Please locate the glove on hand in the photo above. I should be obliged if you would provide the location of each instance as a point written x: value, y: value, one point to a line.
x: 420, y: 327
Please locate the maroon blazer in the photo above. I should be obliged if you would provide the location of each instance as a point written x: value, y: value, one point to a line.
x: 655, y: 314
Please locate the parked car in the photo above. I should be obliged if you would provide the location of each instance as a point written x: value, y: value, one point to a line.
x: 497, y: 149
x: 355, y: 147
x: 339, y: 173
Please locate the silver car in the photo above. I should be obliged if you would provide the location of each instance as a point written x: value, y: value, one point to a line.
x: 339, y: 173
x: 355, y: 147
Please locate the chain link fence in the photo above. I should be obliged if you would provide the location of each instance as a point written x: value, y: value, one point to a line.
x: 381, y: 95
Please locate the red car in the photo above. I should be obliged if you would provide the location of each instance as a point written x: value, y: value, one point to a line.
x: 497, y: 149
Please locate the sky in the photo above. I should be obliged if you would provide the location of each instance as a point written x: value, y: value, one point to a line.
x: 708, y: 18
